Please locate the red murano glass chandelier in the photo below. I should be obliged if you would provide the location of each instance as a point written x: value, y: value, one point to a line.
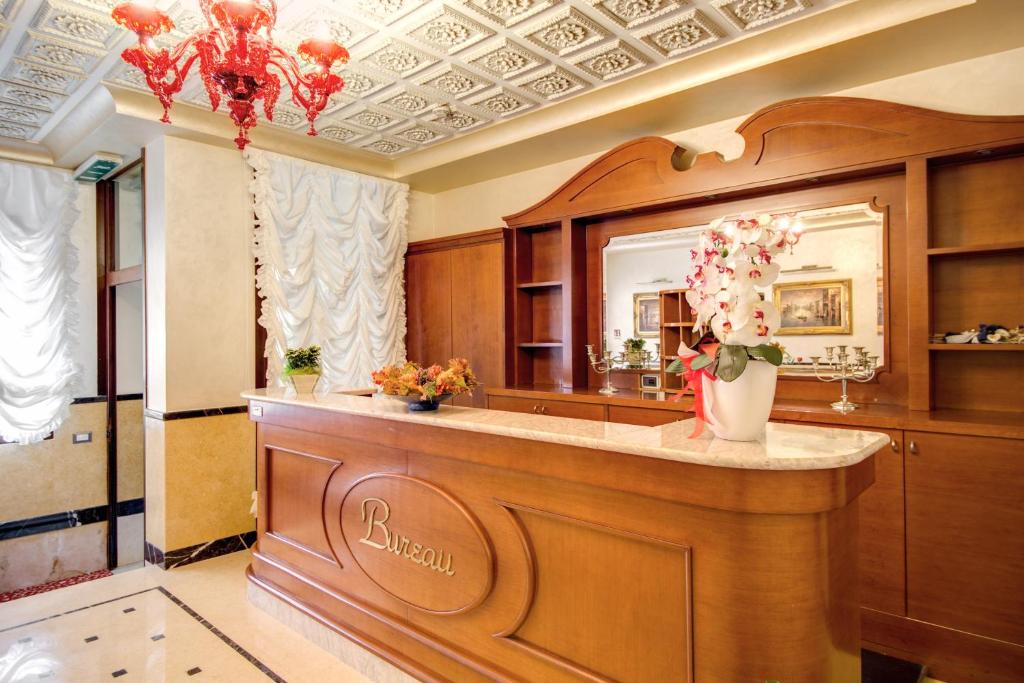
x: 236, y: 52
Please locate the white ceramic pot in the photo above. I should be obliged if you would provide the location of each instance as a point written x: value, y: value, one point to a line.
x: 304, y: 384
x: 741, y: 408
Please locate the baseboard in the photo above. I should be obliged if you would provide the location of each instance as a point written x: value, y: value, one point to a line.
x: 949, y: 655
x: 170, y: 559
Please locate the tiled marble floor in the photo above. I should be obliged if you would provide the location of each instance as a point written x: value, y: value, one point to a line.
x: 158, y: 626
x: 190, y: 624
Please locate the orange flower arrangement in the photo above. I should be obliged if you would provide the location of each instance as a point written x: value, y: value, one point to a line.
x: 430, y: 382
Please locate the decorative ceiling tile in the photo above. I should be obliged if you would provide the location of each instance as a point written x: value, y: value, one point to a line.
x: 565, y: 32
x: 286, y: 116
x: 409, y: 102
x: 449, y: 31
x: 42, y: 76
x: 386, y: 147
x: 16, y: 93
x: 14, y: 130
x: 683, y: 34
x: 633, y: 13
x: 7, y: 8
x: 400, y: 58
x: 338, y: 133
x: 387, y: 11
x: 22, y: 116
x: 363, y: 82
x: 750, y: 14
x: 44, y: 49
x: 421, y: 134
x: 506, y: 60
x: 607, y: 63
x: 501, y: 102
x: 454, y: 82
x: 373, y: 119
x: 509, y: 12
x: 77, y: 23
x: 456, y: 119
x: 553, y: 83
x: 346, y: 30
x: 130, y: 77
x: 104, y: 6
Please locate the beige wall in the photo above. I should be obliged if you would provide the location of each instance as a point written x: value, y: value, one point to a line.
x: 986, y: 85
x: 199, y: 292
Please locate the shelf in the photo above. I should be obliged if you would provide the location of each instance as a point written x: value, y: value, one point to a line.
x: 977, y: 249
x: 976, y: 347
x: 540, y: 345
x: 677, y: 324
x: 540, y: 285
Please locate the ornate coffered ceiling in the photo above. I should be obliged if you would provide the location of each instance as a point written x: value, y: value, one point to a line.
x: 422, y: 71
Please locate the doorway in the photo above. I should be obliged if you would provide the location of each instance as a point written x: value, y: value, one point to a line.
x: 121, y: 247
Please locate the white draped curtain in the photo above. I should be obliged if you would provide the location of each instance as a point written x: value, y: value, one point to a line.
x: 330, y: 251
x: 38, y: 321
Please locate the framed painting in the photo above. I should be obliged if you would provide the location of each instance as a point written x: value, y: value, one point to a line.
x: 646, y: 315
x: 820, y: 307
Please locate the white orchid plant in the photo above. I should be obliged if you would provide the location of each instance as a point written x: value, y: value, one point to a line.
x: 732, y: 259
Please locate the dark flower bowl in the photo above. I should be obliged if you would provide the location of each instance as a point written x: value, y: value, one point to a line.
x: 418, y: 405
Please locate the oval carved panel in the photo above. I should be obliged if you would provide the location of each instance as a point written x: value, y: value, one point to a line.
x: 418, y: 543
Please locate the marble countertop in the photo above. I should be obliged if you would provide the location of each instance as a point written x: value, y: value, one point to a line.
x: 783, y: 446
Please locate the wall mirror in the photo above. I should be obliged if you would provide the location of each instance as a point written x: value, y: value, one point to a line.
x: 830, y: 291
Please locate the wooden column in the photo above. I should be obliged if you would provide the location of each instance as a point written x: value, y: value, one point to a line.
x: 918, y: 359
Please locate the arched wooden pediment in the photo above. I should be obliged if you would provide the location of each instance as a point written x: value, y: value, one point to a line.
x: 787, y: 140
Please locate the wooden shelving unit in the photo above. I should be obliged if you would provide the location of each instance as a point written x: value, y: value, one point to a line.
x: 676, y: 328
x: 974, y: 276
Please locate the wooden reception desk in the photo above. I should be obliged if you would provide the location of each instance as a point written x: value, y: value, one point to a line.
x: 473, y: 545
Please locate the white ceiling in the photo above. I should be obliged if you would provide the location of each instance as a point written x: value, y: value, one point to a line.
x: 490, y: 60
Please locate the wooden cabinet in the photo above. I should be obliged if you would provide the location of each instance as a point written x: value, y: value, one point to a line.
x: 455, y: 305
x: 581, y: 411
x: 965, y: 545
x: 648, y: 417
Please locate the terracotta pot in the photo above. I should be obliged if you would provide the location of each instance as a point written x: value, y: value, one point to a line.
x: 741, y: 408
x: 304, y: 384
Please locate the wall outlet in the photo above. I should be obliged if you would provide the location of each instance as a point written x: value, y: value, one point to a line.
x: 81, y: 437
x: 256, y: 411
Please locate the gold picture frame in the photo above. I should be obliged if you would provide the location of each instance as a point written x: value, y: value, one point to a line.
x: 646, y: 315
x: 818, y: 307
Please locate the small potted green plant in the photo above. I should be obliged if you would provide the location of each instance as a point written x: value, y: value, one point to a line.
x: 634, y: 347
x: 302, y: 367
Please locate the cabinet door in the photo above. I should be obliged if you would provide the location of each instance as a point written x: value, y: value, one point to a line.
x: 965, y: 544
x: 882, y: 532
x: 478, y: 314
x: 583, y: 411
x: 428, y: 305
x: 514, y: 404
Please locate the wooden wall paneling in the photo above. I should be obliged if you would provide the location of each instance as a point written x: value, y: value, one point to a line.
x: 965, y: 549
x: 969, y: 289
x: 428, y: 296
x: 971, y: 204
x: 478, y: 314
x: 574, y: 295
x: 988, y: 381
x: 883, y: 568
x: 919, y: 391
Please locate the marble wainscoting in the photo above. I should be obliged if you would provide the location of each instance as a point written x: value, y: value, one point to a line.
x: 200, y: 475
x: 53, y: 511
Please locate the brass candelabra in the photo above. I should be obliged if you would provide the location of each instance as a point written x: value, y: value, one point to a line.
x: 841, y: 366
x: 602, y: 366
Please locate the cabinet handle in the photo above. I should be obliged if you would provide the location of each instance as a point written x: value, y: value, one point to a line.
x: 894, y: 446
x: 536, y: 410
x: 913, y: 448
x: 543, y: 410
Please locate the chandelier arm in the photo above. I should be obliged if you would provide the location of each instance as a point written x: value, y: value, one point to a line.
x: 291, y: 70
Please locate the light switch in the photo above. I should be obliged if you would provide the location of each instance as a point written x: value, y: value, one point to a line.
x: 81, y: 437
x: 256, y: 411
